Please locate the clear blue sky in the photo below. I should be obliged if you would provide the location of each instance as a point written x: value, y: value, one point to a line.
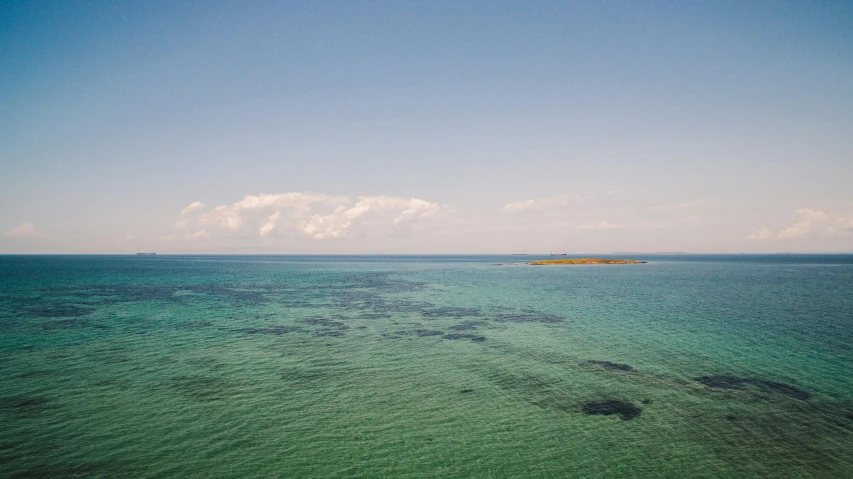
x: 428, y: 127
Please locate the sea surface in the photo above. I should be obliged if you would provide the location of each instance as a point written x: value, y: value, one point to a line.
x: 425, y: 366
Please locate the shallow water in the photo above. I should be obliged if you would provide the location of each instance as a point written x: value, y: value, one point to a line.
x: 435, y: 366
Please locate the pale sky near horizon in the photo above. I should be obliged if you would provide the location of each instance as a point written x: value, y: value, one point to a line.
x: 426, y: 127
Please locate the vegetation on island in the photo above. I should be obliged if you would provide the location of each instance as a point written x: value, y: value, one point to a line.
x: 585, y: 261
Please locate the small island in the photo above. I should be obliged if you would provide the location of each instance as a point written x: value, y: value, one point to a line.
x: 585, y: 261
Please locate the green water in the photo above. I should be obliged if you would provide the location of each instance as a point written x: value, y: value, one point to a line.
x: 425, y: 367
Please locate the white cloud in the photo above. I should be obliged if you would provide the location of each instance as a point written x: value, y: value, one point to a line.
x: 761, y: 234
x: 841, y: 224
x: 415, y: 210
x: 186, y: 212
x: 804, y: 220
x: 23, y: 230
x: 334, y: 225
x: 544, y: 203
x: 316, y: 216
x: 192, y: 207
x: 270, y: 224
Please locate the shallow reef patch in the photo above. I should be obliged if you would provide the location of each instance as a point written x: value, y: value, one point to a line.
x: 467, y: 326
x: 421, y: 332
x: 335, y: 333
x: 25, y: 406
x: 472, y: 337
x: 274, y: 330
x: 738, y: 383
x: 328, y: 327
x: 450, y: 312
x: 374, y: 316
x: 608, y: 365
x: 528, y: 315
x: 624, y: 410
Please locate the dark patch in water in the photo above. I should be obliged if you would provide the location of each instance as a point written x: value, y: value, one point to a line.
x: 275, y: 330
x: 451, y: 312
x: 465, y: 391
x: 646, y: 401
x: 122, y: 293
x: 330, y: 332
x: 625, y: 410
x: 472, y: 337
x: 329, y: 327
x: 8, y: 446
x: 536, y: 389
x: 25, y: 406
x: 783, y: 388
x: 386, y: 306
x: 608, y: 365
x: 735, y: 382
x: 421, y: 332
x: 37, y: 373
x: 326, y: 323
x: 528, y: 316
x: 363, y: 292
x: 467, y: 326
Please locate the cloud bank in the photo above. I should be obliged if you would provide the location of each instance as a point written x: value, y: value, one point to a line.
x: 315, y: 216
x: 760, y: 234
x: 24, y: 230
x: 806, y: 221
x: 840, y: 225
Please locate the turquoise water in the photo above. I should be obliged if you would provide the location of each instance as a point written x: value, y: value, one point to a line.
x: 457, y: 366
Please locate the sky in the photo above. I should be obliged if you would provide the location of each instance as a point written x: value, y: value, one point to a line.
x: 426, y: 127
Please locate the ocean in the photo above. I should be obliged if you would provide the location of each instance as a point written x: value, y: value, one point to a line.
x: 425, y: 366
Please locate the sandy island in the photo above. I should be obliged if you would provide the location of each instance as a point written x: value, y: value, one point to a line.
x: 585, y: 261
